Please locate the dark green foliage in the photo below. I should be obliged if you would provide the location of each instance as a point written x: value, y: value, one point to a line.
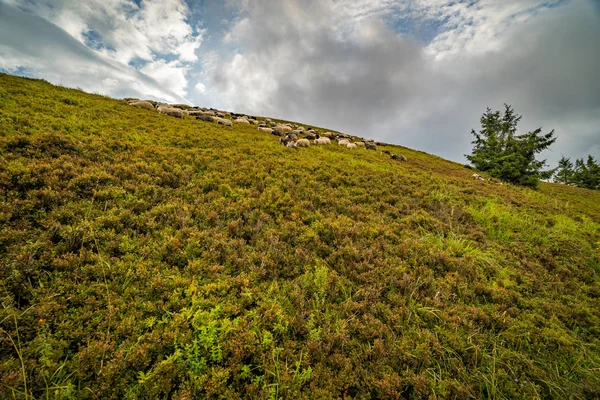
x: 147, y: 257
x: 504, y: 154
x: 565, y: 173
x: 585, y: 174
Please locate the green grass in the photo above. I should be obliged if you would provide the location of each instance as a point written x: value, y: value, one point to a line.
x: 144, y: 256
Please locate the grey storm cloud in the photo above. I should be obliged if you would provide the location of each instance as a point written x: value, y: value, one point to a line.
x: 306, y: 65
x: 31, y: 42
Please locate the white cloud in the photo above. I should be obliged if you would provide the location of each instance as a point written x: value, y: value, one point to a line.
x: 41, y: 48
x: 171, y: 75
x: 125, y: 30
x: 200, y: 87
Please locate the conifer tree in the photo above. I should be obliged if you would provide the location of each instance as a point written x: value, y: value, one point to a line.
x: 504, y: 154
x: 565, y: 172
x: 587, y: 173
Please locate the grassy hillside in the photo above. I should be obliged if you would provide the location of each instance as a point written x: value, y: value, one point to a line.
x: 143, y: 256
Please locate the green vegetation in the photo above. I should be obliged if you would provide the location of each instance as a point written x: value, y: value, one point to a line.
x: 503, y: 154
x: 144, y: 256
x: 585, y: 174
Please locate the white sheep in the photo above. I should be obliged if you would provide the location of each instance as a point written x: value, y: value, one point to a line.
x: 142, y: 104
x: 268, y: 130
x: 351, y: 146
x: 343, y: 142
x: 303, y: 143
x: 173, y: 112
x: 360, y: 144
x: 223, y: 121
x: 322, y: 140
x: 283, y: 128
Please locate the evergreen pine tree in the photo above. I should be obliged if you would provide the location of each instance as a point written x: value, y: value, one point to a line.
x: 565, y: 172
x: 504, y: 154
x: 587, y: 173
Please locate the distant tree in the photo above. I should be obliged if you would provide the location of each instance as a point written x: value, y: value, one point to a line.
x: 587, y: 173
x: 505, y: 155
x: 565, y: 172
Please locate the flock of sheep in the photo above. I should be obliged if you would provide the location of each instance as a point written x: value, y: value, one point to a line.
x: 290, y: 136
x: 293, y: 136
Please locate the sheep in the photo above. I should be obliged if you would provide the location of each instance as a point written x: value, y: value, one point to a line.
x: 398, y: 157
x: 265, y: 129
x: 343, y: 142
x: 242, y: 121
x: 323, y: 140
x: 311, y: 136
x: 253, y: 122
x: 478, y: 177
x: 291, y: 136
x: 173, y: 112
x: 289, y: 143
x: 142, y: 104
x: 351, y: 146
x: 360, y: 144
x: 181, y: 106
x: 154, y: 103
x: 327, y: 134
x: 283, y: 127
x: 370, y: 146
x: 207, y: 118
x: 303, y: 143
x: 195, y: 112
x: 386, y: 152
x: 223, y: 121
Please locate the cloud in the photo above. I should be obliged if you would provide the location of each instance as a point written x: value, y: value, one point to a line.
x: 154, y: 36
x: 344, y: 65
x: 34, y: 44
x: 124, y: 30
x: 168, y: 74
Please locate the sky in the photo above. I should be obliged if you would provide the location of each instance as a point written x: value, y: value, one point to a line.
x: 418, y: 73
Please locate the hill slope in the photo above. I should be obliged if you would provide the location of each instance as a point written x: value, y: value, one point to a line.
x: 144, y: 256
